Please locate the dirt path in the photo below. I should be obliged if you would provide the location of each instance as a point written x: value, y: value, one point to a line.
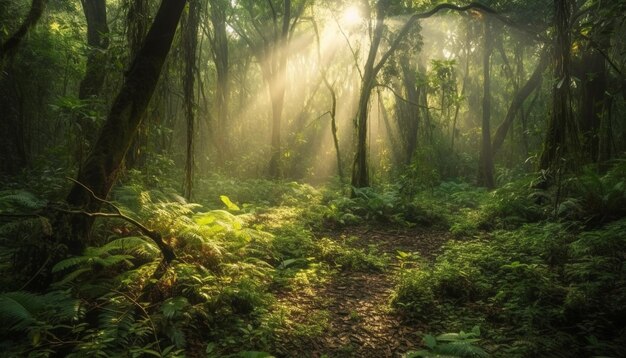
x: 360, y: 324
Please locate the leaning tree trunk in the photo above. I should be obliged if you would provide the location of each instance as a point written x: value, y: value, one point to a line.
x: 518, y: 101
x: 101, y: 167
x: 485, y: 164
x: 33, y: 16
x: 137, y: 25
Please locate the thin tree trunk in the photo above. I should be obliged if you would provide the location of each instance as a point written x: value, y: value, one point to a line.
x: 360, y: 175
x: 277, y: 92
x: 410, y: 112
x: 485, y: 165
x: 463, y: 89
x: 518, y: 101
x: 190, y: 45
x: 11, y: 44
x: 219, y: 48
x: 100, y: 170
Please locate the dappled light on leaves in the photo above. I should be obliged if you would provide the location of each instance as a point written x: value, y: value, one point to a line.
x: 308, y: 178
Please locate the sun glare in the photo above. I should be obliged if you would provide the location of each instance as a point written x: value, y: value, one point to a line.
x: 351, y: 15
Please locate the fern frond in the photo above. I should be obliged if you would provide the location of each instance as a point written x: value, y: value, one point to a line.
x: 20, y: 199
x: 70, y: 263
x: 133, y: 244
x: 20, y: 310
x: 16, y: 309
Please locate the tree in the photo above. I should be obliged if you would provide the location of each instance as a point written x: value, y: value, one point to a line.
x: 360, y: 177
x: 560, y: 125
x: 485, y: 162
x: 103, y: 162
x: 518, y: 100
x: 269, y: 45
x: 11, y: 44
x: 219, y: 49
x: 190, y: 45
x: 98, y: 42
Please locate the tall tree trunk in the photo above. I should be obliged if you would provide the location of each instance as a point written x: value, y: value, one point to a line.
x: 457, y: 108
x: 219, y: 49
x: 101, y: 167
x: 333, y: 105
x: 98, y: 42
x: 190, y: 45
x: 554, y: 146
x: 360, y: 175
x: 518, y: 101
x: 485, y: 165
x: 277, y: 87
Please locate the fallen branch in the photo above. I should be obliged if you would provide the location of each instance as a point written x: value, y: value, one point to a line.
x: 168, y: 253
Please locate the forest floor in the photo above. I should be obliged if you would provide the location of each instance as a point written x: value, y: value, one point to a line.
x: 359, y: 321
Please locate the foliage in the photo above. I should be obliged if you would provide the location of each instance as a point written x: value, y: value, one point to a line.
x: 451, y: 345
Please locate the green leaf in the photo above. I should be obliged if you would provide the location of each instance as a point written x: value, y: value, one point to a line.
x: 229, y: 204
x: 430, y: 341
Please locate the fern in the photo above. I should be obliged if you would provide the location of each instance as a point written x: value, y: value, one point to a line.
x: 22, y: 310
x: 133, y: 244
x: 20, y: 200
x: 114, y: 253
x: 451, y: 345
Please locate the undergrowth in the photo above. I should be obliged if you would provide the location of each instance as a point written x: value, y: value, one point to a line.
x: 542, y: 269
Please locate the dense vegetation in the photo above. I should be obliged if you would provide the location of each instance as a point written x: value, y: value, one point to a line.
x: 217, y: 178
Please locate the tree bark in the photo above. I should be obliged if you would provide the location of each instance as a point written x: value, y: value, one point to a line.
x: 554, y: 145
x: 101, y: 167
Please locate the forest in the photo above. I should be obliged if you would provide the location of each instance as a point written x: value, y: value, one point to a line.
x: 312, y: 178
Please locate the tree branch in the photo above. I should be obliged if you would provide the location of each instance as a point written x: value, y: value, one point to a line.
x: 472, y: 6
x: 35, y: 12
x: 168, y: 253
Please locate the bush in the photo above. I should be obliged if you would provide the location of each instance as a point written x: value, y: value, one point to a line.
x: 413, y: 294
